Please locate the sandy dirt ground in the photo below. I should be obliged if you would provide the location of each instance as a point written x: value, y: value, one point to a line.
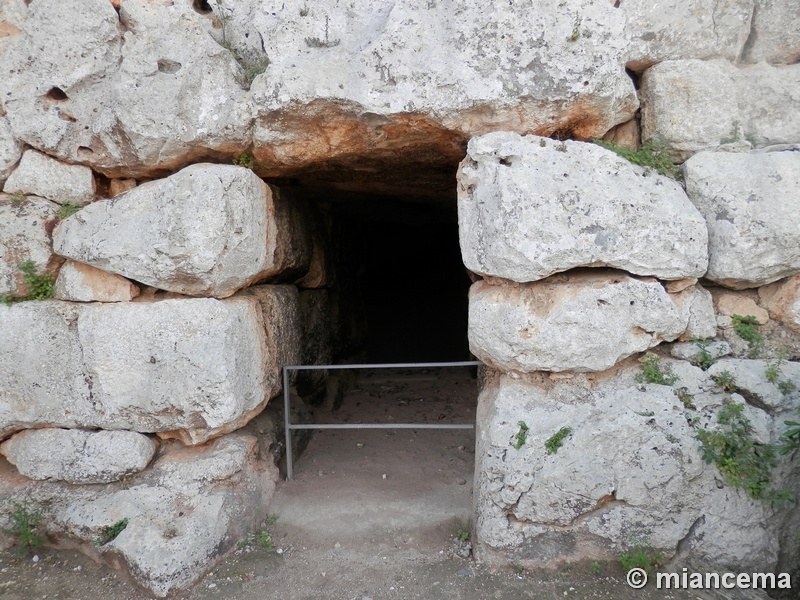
x: 370, y: 514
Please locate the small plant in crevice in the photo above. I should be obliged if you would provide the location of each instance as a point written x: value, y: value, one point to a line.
x: 595, y: 568
x: 463, y: 535
x: 111, y: 532
x: 773, y: 374
x: 641, y: 557
x: 252, y: 63
x: 742, y: 462
x: 67, y: 210
x: 790, y: 439
x: 40, y: 286
x: 519, y: 569
x: 522, y: 435
x: 25, y: 523
x: 746, y: 327
x: 555, y: 441
x: 651, y: 371
x: 652, y: 155
x: 703, y: 358
x: 725, y: 381
x: 576, y: 31
x: 264, y: 540
x: 685, y: 397
x: 18, y: 199
x: 245, y: 159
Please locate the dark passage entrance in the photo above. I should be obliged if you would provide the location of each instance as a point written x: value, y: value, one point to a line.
x: 415, y: 292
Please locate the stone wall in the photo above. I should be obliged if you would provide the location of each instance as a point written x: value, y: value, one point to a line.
x: 169, y: 165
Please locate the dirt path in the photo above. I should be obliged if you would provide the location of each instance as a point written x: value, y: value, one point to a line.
x: 370, y: 514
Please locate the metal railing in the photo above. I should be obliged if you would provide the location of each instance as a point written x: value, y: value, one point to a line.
x: 295, y: 426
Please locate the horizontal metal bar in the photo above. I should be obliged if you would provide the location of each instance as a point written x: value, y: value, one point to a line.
x: 466, y: 363
x: 383, y: 426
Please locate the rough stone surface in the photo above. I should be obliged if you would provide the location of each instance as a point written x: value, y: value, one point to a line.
x: 782, y: 300
x: 732, y: 303
x: 690, y: 350
x: 81, y: 283
x: 120, y: 186
x: 695, y: 105
x: 10, y: 150
x: 142, y: 90
x: 207, y: 230
x: 775, y: 36
x: 281, y: 312
x: 192, y: 368
x: 530, y: 207
x: 581, y: 322
x: 752, y: 383
x: 747, y: 201
x: 629, y: 470
x: 81, y: 456
x: 676, y: 29
x: 25, y: 226
x: 184, y: 513
x: 40, y: 175
x: 317, y: 339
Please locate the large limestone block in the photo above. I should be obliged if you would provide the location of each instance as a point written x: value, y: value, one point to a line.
x: 530, y: 207
x: 782, y: 300
x: 775, y: 36
x: 581, y: 322
x: 41, y: 368
x: 748, y: 201
x: 26, y: 225
x: 142, y: 91
x: 695, y: 105
x: 10, y: 149
x: 40, y: 175
x: 629, y: 471
x: 424, y: 76
x: 676, y: 29
x: 82, y: 456
x: 206, y: 230
x: 190, y: 368
x: 184, y: 513
x: 81, y: 283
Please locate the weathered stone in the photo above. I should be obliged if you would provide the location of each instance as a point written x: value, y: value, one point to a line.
x: 699, y: 304
x: 10, y: 150
x: 82, y: 456
x: 782, y: 300
x: 645, y: 479
x: 41, y: 367
x: 40, y: 175
x: 690, y: 350
x: 207, y: 230
x: 317, y: 339
x: 775, y: 37
x: 695, y: 105
x: 282, y: 315
x: 732, y: 303
x: 582, y: 322
x: 751, y: 380
x: 81, y: 283
x: 747, y: 201
x: 94, y: 103
x: 192, y: 369
x: 689, y: 104
x: 183, y: 514
x: 703, y: 29
x: 120, y: 186
x: 530, y: 207
x: 24, y: 236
